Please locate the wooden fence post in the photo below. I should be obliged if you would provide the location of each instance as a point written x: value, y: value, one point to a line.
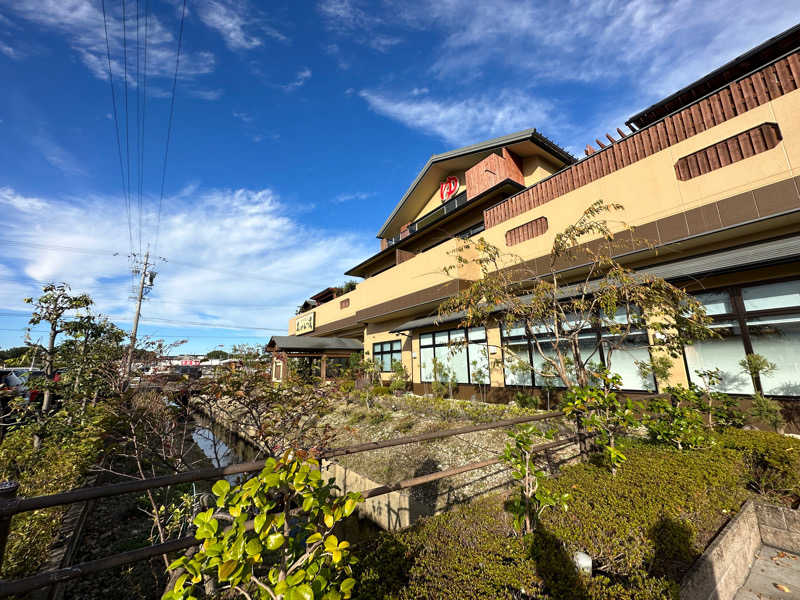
x: 8, y: 491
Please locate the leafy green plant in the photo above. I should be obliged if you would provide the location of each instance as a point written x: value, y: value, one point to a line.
x: 756, y: 365
x: 602, y: 412
x: 531, y: 499
x: 444, y: 379
x: 768, y: 411
x: 674, y: 423
x: 720, y: 409
x: 287, y: 551
x: 399, y: 381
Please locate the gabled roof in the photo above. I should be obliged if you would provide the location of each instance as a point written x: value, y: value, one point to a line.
x: 531, y: 135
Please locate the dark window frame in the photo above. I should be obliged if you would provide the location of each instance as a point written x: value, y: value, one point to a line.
x: 597, y: 331
x: 467, y: 342
x: 740, y: 316
x: 379, y: 354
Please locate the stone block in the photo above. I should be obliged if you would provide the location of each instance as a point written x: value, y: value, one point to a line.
x: 780, y: 538
x: 770, y: 515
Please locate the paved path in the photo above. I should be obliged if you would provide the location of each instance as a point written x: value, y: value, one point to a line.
x: 775, y: 575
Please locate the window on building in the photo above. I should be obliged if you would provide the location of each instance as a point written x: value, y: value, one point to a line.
x: 387, y: 352
x: 461, y: 351
x: 756, y: 319
x: 596, y: 346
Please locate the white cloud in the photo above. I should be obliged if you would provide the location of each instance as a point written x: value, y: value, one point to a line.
x: 302, y: 76
x: 226, y: 250
x: 81, y: 21
x: 243, y: 116
x: 347, y: 15
x: 349, y: 196
x: 9, y: 51
x: 56, y: 155
x: 203, y: 94
x: 237, y: 23
x: 465, y: 121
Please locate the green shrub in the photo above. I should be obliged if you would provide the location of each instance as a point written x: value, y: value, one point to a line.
x: 59, y: 465
x: 469, y: 552
x: 772, y: 461
x: 656, y: 514
x: 380, y: 390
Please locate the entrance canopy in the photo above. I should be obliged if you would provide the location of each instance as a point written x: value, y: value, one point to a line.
x: 301, y: 343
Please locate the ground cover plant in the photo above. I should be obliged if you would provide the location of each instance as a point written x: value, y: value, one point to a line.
x: 643, y: 526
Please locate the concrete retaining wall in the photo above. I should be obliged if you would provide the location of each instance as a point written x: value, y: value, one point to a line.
x: 724, y: 566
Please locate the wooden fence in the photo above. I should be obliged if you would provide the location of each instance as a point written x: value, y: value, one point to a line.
x: 10, y: 504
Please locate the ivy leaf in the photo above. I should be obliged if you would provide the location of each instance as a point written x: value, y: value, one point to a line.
x: 253, y: 547
x: 259, y: 521
x: 226, y: 569
x: 314, y: 537
x: 349, y: 506
x: 302, y: 592
x: 274, y: 541
x: 296, y: 577
x: 347, y: 585
x: 221, y: 488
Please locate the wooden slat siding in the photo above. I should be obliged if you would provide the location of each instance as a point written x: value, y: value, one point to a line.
x: 715, y: 102
x: 688, y: 122
x: 749, y: 91
x: 702, y: 163
x: 773, y: 83
x: 738, y: 98
x: 728, y: 106
x: 662, y: 134
x: 677, y: 122
x: 772, y: 135
x: 724, y: 154
x: 785, y: 78
x: 712, y: 154
x: 694, y: 168
x: 760, y: 86
x: 757, y: 139
x: 697, y: 118
x: 708, y: 114
x: 746, y: 144
x: 526, y: 231
x: 669, y: 125
x: 793, y: 60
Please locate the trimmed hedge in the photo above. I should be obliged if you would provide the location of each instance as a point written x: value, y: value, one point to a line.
x: 772, y: 461
x: 656, y: 515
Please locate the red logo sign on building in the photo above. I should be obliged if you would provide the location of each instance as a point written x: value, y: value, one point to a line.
x: 448, y: 188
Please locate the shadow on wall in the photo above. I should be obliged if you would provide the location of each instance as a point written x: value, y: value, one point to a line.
x: 423, y: 497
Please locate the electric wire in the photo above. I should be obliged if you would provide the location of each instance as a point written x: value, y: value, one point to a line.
x: 116, y: 119
x: 138, y: 122
x: 169, y: 125
x: 127, y: 130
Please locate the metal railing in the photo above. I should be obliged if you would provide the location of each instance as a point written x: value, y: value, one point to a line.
x: 11, y: 505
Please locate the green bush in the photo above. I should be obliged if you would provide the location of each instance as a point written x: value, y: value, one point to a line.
x: 380, y: 390
x: 469, y: 552
x: 67, y: 452
x: 658, y: 512
x: 772, y: 461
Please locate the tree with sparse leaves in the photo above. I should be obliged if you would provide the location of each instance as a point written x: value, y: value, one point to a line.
x: 556, y: 312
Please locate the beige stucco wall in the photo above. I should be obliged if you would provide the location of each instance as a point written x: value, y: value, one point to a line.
x: 435, y: 201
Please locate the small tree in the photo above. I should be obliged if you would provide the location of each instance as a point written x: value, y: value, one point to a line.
x: 569, y: 322
x: 287, y: 551
x: 52, y: 307
x: 756, y: 365
x: 400, y: 378
x: 531, y: 499
x: 601, y: 411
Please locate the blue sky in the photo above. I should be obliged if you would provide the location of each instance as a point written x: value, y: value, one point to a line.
x: 297, y: 127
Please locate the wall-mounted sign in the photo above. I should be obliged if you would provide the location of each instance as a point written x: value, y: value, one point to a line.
x: 304, y: 324
x: 448, y: 188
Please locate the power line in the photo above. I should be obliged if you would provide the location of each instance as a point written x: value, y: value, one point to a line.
x: 138, y: 122
x: 116, y: 119
x: 127, y: 131
x: 169, y: 124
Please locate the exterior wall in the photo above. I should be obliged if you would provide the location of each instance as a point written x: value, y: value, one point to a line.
x: 649, y: 189
x: 435, y: 200
x: 536, y: 168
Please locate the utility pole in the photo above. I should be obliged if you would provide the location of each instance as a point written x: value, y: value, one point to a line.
x: 145, y: 285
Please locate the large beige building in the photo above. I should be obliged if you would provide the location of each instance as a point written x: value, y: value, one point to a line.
x: 709, y: 176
